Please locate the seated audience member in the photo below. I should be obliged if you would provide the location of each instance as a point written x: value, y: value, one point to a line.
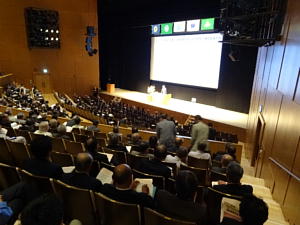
x: 5, y: 212
x: 115, y: 133
x: 53, y: 126
x: 91, y: 146
x: 133, y: 131
x: 40, y: 164
x: 153, y: 142
x: 253, y: 211
x: 45, y: 210
x: 155, y: 166
x: 80, y: 176
x: 61, y: 132
x: 182, y: 205
x: 43, y: 129
x: 180, y: 158
x: 28, y: 126
x: 229, y: 149
x: 3, y: 132
x: 115, y: 144
x: 233, y: 185
x: 71, y: 122
x: 4, y: 120
x: 143, y: 150
x: 201, y: 153
x: 94, y: 127
x: 77, y: 122
x: 123, y: 188
x: 178, y: 143
x: 226, y: 159
x: 135, y: 142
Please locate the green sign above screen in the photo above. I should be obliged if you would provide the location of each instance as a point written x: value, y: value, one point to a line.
x: 208, y: 24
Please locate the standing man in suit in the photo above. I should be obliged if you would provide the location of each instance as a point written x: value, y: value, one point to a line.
x: 166, y: 131
x: 199, y: 133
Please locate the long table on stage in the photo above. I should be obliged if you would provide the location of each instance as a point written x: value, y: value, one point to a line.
x: 222, y: 119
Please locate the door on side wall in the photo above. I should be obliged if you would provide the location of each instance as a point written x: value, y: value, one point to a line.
x: 43, y: 83
x: 258, y: 151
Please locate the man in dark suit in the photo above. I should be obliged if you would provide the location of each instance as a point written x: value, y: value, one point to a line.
x: 182, y: 205
x: 226, y: 159
x: 91, y: 146
x: 80, y: 176
x: 233, y: 185
x: 155, y: 166
x: 123, y: 188
x: 40, y: 164
x: 166, y: 131
x: 94, y: 127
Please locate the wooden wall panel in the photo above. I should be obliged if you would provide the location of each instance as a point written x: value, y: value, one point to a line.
x: 71, y: 69
x: 281, y: 113
x: 281, y: 179
x: 270, y: 113
x: 292, y: 200
x: 296, y: 164
x: 290, y: 67
x: 287, y: 134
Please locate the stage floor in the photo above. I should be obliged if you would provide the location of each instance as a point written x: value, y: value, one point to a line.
x: 206, y: 111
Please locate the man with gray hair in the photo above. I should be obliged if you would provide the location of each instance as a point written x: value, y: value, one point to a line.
x: 61, y: 132
x: 43, y: 129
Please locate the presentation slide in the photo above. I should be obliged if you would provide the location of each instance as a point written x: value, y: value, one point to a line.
x: 187, y: 59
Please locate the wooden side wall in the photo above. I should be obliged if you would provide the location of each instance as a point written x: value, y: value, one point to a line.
x: 71, y: 68
x: 276, y: 90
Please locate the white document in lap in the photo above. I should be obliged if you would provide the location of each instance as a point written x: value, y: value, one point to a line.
x: 68, y: 169
x: 105, y: 176
x: 230, y: 208
x: 149, y: 183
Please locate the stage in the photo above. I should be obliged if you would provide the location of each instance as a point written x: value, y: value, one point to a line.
x: 208, y: 112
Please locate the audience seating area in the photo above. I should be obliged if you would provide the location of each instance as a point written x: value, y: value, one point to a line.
x: 95, y: 208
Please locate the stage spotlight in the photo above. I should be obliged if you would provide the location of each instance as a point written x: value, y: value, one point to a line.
x: 52, y: 31
x: 41, y: 29
x: 56, y: 39
x: 46, y: 38
x: 52, y: 38
x: 57, y: 31
x: 46, y: 31
x: 45, y: 70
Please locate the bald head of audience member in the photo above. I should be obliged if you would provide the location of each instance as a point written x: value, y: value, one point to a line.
x: 160, y: 152
x: 178, y: 142
x: 61, y: 129
x: 226, y: 159
x: 122, y: 176
x: 44, y: 126
x: 234, y: 173
x: 83, y: 162
x: 53, y: 124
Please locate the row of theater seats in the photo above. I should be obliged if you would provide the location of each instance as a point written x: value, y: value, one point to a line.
x: 95, y: 208
x: 89, y: 207
x: 64, y: 152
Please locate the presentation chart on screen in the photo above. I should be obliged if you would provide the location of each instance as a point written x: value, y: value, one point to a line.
x: 186, y: 59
